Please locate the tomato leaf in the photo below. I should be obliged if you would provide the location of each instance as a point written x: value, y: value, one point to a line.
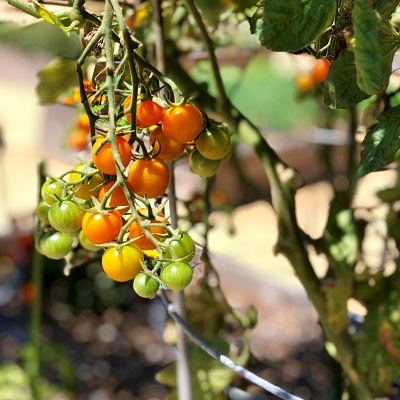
x: 378, y: 347
x: 340, y: 86
x: 381, y: 142
x: 44, y: 13
x: 293, y: 24
x: 386, y: 7
x: 366, y: 51
x: 59, y: 74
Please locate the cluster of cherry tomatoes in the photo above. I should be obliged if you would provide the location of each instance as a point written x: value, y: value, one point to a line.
x: 306, y: 80
x: 108, y: 203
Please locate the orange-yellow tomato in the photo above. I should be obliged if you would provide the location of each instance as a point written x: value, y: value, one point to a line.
x: 166, y: 148
x: 117, y: 198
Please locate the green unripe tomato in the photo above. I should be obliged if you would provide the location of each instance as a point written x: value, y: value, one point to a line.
x: 214, y: 143
x: 183, y: 248
x: 202, y: 166
x: 86, y: 243
x: 66, y: 216
x: 176, y: 275
x: 145, y: 286
x: 50, y: 188
x: 42, y: 212
x: 55, y: 245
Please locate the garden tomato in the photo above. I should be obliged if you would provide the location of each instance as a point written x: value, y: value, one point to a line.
x: 145, y: 286
x: 83, y: 122
x: 89, y: 187
x: 86, y: 243
x: 136, y: 232
x: 149, y: 113
x: 202, y: 166
x: 149, y: 176
x: 117, y: 198
x: 100, y: 228
x: 214, y: 143
x: 304, y: 82
x: 182, y: 124
x: 55, y: 245
x: 42, y: 212
x: 78, y: 140
x: 183, y: 248
x: 104, y: 159
x: 128, y: 116
x: 167, y: 149
x: 123, y: 263
x: 320, y: 69
x: 66, y: 216
x: 176, y: 275
x: 50, y: 189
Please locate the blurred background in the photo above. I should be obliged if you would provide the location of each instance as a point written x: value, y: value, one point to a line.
x: 101, y: 341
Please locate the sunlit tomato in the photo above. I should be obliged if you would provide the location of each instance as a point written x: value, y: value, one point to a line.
x: 304, y: 82
x: 104, y: 159
x: 182, y: 124
x: 149, y: 112
x: 214, y: 143
x: 78, y: 140
x: 176, y: 275
x: 320, y: 69
x: 55, y: 245
x: 50, y: 189
x: 42, y: 212
x: 66, y: 216
x: 183, y: 248
x: 117, y: 198
x: 99, y: 228
x: 128, y: 116
x: 86, y: 243
x: 149, y: 176
x: 83, y: 122
x: 167, y: 149
x: 202, y: 166
x: 89, y: 187
x: 136, y: 232
x: 123, y: 263
x: 145, y: 286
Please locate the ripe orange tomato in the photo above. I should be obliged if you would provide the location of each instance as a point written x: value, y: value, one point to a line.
x: 304, y: 82
x: 100, y: 228
x: 167, y: 149
x: 320, y: 69
x: 149, y: 112
x: 149, y: 176
x: 122, y: 264
x: 104, y: 159
x: 136, y: 232
x: 128, y: 116
x: 182, y: 124
x: 78, y: 139
x: 83, y: 122
x: 117, y: 198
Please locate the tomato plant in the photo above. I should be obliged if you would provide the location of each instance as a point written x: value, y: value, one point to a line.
x: 149, y: 176
x: 122, y: 263
x: 55, y: 245
x: 104, y: 159
x: 101, y: 228
x: 149, y: 113
x: 176, y: 275
x: 128, y: 116
x: 136, y: 232
x: 182, y: 124
x: 145, y: 286
x: 89, y: 187
x: 183, y: 248
x: 117, y: 198
x: 214, y: 143
x: 202, y: 166
x: 165, y: 148
x: 66, y: 216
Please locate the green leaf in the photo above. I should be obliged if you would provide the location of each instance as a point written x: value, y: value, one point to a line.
x: 378, y: 349
x: 366, y: 52
x: 44, y: 13
x: 381, y: 142
x: 340, y: 86
x: 292, y: 24
x: 386, y: 7
x: 55, y: 78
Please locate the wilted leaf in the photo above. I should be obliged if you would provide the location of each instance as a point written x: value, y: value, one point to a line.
x: 293, y: 24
